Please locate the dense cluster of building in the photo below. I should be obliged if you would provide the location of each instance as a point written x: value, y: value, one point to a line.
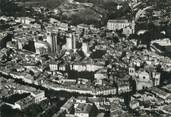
x: 99, y: 62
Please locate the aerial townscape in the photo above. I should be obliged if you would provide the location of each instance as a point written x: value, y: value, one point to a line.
x: 85, y: 58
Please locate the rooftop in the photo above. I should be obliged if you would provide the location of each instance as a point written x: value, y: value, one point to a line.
x: 83, y: 108
x: 26, y: 101
x: 159, y: 92
x: 69, y: 103
x: 167, y: 87
x: 118, y: 21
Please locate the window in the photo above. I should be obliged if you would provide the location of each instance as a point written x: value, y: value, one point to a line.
x: 131, y: 71
x: 144, y: 87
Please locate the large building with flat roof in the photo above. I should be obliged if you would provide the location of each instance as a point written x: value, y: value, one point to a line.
x: 128, y: 27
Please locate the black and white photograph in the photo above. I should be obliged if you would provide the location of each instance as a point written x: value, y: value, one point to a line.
x: 85, y: 58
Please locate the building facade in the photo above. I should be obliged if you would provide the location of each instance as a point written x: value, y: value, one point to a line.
x: 127, y: 26
x: 71, y: 41
x: 52, y: 40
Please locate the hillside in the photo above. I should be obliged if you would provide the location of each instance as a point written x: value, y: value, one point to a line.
x: 82, y: 13
x: 46, y: 3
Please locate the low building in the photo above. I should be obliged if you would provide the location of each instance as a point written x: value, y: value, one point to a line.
x: 27, y: 78
x: 116, y: 110
x: 24, y: 20
x: 54, y: 66
x: 68, y: 81
x: 110, y: 91
x: 39, y: 96
x: 123, y: 89
x: 83, y: 81
x: 162, y: 42
x: 69, y: 105
x: 63, y: 26
x: 25, y: 102
x: 100, y: 75
x: 84, y: 110
x: 134, y: 104
x: 123, y: 84
x: 86, y: 67
x: 167, y: 109
x: 160, y: 93
x: 41, y: 47
x: 100, y: 103
x: 167, y: 88
x: 81, y: 100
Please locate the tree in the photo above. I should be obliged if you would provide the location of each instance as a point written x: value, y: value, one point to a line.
x: 9, y: 7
